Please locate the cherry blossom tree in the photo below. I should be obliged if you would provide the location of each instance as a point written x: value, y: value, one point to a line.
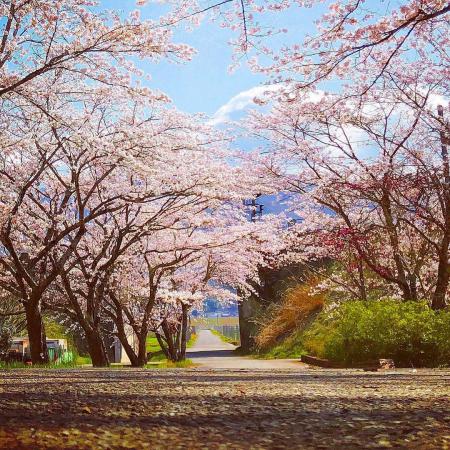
x: 369, y: 177
x: 173, y: 172
x: 43, y: 39
x: 354, y: 156
x: 175, y: 270
x: 102, y: 159
x: 60, y: 63
x: 351, y: 37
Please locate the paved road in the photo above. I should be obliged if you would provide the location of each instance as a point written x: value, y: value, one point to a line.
x: 211, y: 352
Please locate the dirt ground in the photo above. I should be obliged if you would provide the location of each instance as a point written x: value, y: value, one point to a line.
x: 227, y: 409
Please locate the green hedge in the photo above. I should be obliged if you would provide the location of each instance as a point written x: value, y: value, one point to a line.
x: 410, y: 333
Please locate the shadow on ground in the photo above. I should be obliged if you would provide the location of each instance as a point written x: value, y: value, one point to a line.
x: 132, y: 408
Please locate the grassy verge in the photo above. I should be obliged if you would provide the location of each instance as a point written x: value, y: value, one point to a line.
x: 20, y: 365
x: 356, y: 332
x: 289, y: 348
x: 224, y: 338
x: 83, y: 360
x: 165, y: 364
x: 171, y: 365
x: 158, y: 359
x: 157, y: 354
x: 192, y: 340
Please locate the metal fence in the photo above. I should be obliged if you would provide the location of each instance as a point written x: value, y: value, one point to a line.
x: 229, y: 331
x: 228, y: 326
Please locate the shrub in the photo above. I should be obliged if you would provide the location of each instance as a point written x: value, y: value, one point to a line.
x: 410, y: 333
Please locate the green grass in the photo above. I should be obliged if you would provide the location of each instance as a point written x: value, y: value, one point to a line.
x: 152, y: 346
x: 192, y: 340
x: 20, y: 365
x: 157, y: 354
x: 82, y: 360
x: 224, y: 338
x: 172, y: 365
x: 289, y: 348
x: 158, y: 365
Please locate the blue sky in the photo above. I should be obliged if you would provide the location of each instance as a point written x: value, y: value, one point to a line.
x: 205, y: 84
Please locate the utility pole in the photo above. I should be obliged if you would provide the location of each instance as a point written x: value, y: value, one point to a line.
x: 248, y: 306
x: 445, y: 140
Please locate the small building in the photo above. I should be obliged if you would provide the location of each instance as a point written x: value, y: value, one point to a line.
x: 57, y: 349
x: 119, y: 355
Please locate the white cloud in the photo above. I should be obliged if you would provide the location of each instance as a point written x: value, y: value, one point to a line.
x: 240, y: 102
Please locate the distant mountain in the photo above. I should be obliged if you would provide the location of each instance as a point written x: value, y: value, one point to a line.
x: 212, y: 308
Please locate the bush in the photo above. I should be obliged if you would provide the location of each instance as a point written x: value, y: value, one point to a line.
x: 410, y: 333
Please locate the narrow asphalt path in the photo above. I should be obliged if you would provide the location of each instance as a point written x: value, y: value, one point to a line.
x: 211, y: 352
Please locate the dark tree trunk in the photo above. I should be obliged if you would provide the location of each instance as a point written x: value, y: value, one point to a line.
x: 443, y: 275
x: 248, y: 309
x: 163, y: 345
x: 138, y: 359
x: 123, y: 338
x: 184, y: 329
x: 176, y: 339
x: 443, y: 278
x: 172, y: 352
x: 142, y: 347
x: 128, y: 349
x: 97, y: 350
x: 36, y: 333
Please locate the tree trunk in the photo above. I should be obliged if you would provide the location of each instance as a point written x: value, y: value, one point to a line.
x: 162, y: 345
x: 172, y: 349
x: 128, y: 349
x: 405, y: 287
x: 142, y: 347
x: 184, y: 326
x: 443, y: 278
x: 123, y: 338
x: 97, y: 349
x: 36, y: 333
x: 248, y: 309
x: 443, y: 275
x: 138, y: 359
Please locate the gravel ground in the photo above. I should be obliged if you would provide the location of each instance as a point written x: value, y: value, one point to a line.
x: 228, y: 409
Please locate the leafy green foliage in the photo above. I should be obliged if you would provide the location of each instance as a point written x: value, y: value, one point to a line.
x: 6, y: 334
x: 408, y: 332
